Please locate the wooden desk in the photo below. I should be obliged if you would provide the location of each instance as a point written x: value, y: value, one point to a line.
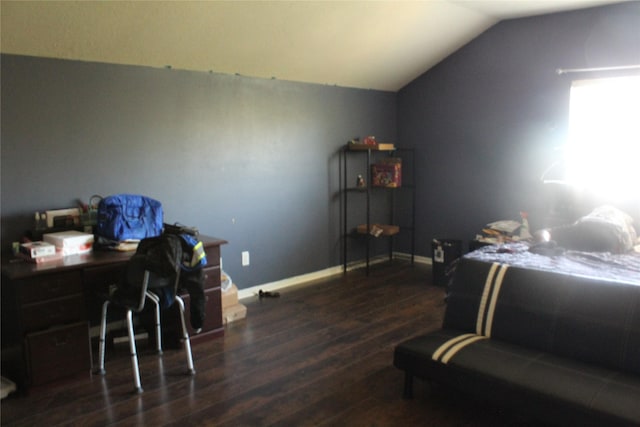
x: 47, y: 310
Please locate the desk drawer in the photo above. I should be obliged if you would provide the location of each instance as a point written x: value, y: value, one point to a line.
x: 212, y: 307
x: 98, y: 279
x: 171, y: 330
x: 60, y: 311
x: 58, y: 353
x: 49, y: 286
x: 211, y: 277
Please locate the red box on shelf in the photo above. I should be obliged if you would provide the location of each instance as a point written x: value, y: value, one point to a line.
x: 387, y: 173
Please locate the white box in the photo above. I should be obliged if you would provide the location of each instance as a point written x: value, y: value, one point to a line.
x: 70, y: 242
x: 37, y: 249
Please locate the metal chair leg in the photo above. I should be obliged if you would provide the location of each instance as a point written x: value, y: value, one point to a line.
x: 156, y: 302
x: 134, y: 355
x: 185, y: 336
x: 102, y: 343
x: 132, y: 339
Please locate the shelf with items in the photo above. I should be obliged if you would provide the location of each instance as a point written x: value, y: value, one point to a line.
x: 380, y: 202
x: 369, y: 143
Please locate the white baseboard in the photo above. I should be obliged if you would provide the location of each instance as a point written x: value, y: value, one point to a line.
x: 418, y: 259
x: 321, y: 274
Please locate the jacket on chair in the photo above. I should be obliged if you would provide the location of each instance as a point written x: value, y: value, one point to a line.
x: 163, y: 256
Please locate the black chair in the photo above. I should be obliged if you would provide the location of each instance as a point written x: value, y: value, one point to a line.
x: 152, y: 273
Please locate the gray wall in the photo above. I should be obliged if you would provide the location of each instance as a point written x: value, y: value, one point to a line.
x: 253, y: 161
x: 487, y: 120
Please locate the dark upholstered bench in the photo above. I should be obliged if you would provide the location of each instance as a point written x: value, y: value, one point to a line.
x: 563, y: 348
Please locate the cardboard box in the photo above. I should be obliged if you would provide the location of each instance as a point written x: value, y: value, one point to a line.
x: 387, y: 173
x: 230, y: 296
x: 233, y: 313
x: 70, y: 242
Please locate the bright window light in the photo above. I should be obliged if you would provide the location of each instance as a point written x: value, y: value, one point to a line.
x: 603, y: 151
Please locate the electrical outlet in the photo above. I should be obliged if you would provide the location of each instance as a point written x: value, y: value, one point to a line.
x: 245, y: 258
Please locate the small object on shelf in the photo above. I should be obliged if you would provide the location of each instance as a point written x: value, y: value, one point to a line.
x: 379, y: 146
x: 387, y: 173
x: 360, y: 181
x: 378, y: 230
x: 370, y: 143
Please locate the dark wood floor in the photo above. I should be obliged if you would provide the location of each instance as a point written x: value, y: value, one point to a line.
x: 321, y: 354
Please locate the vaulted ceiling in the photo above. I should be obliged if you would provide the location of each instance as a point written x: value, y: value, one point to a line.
x: 364, y: 44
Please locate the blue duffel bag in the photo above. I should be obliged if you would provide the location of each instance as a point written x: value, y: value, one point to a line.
x: 129, y: 217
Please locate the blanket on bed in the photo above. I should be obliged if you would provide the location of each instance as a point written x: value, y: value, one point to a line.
x: 624, y: 267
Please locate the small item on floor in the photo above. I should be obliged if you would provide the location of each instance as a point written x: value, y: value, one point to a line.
x: 267, y: 294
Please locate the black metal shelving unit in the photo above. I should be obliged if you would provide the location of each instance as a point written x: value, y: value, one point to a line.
x: 408, y: 185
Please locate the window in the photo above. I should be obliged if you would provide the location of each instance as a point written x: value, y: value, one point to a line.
x: 603, y: 151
